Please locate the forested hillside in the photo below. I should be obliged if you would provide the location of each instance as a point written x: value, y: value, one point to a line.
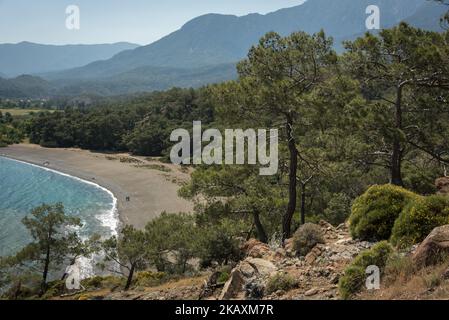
x: 363, y: 137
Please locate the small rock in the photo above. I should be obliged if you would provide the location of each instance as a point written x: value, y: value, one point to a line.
x: 311, y: 292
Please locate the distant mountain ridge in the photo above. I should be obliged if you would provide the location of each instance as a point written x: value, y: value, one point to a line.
x: 32, y: 58
x: 24, y: 86
x: 215, y: 39
x: 206, y: 48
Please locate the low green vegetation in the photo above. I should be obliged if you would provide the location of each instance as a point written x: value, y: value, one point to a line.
x: 10, y: 131
x: 21, y: 112
x: 135, y: 252
x: 282, y: 282
x: 419, y: 218
x: 354, y: 277
x: 374, y: 213
x: 392, y: 213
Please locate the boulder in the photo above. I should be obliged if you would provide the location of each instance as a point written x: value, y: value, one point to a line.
x: 442, y: 185
x: 261, y: 266
x: 256, y: 249
x: 233, y: 286
x: 434, y: 248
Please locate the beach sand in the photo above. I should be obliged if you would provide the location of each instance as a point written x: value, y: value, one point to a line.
x: 150, y: 189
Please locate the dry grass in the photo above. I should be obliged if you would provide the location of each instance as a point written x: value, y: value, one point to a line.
x: 403, y: 282
x: 21, y: 112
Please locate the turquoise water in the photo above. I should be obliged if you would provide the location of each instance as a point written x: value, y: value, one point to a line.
x: 24, y: 187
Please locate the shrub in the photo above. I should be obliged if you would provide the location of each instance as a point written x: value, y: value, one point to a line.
x: 220, y: 243
x: 399, y: 268
x: 374, y: 213
x: 150, y: 279
x: 419, y: 218
x: 281, y: 281
x: 354, y: 277
x: 102, y: 282
x: 307, y: 237
x: 351, y: 282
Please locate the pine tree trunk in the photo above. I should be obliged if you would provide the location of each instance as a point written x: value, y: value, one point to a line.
x: 45, y: 273
x: 303, y: 203
x: 287, y: 219
x: 262, y: 235
x: 130, y: 277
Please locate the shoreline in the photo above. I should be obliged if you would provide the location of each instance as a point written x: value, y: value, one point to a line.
x: 114, y: 212
x: 151, y: 192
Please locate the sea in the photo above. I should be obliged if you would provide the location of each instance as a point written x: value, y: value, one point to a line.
x: 24, y: 186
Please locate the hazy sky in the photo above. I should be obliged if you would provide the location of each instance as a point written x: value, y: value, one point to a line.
x: 106, y: 21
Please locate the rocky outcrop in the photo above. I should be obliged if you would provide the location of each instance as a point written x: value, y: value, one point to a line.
x: 434, y: 248
x: 317, y: 273
x: 442, y: 185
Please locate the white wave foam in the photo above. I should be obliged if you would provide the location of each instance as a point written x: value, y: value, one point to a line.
x: 108, y: 219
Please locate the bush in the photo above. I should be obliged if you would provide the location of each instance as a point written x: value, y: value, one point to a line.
x: 150, y: 279
x: 220, y: 243
x: 354, y: 277
x: 351, y: 282
x: 377, y: 255
x: 419, y: 218
x: 399, y: 268
x: 307, y: 237
x: 374, y: 213
x: 281, y: 281
x: 101, y: 282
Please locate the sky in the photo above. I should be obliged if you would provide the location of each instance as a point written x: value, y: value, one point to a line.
x: 108, y: 21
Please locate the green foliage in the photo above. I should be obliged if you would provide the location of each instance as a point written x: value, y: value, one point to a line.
x: 52, y: 245
x: 306, y: 237
x: 220, y: 243
x: 173, y: 241
x: 142, y: 126
x: 354, y: 277
x: 351, y: 282
x: 150, y: 279
x: 223, y: 277
x: 130, y: 251
x: 399, y: 267
x: 374, y: 213
x: 377, y: 255
x: 419, y: 218
x: 101, y: 282
x: 282, y: 282
x: 10, y: 132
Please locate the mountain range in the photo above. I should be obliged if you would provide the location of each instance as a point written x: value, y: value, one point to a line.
x: 32, y: 58
x: 206, y: 48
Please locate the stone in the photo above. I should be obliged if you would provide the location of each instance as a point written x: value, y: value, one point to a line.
x: 233, y: 286
x: 434, y: 247
x: 261, y: 266
x: 442, y: 185
x: 313, y: 255
x: 256, y: 249
x: 280, y: 253
x: 311, y: 292
x: 247, y: 269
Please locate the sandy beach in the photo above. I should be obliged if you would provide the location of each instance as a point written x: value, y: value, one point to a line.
x: 150, y: 185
